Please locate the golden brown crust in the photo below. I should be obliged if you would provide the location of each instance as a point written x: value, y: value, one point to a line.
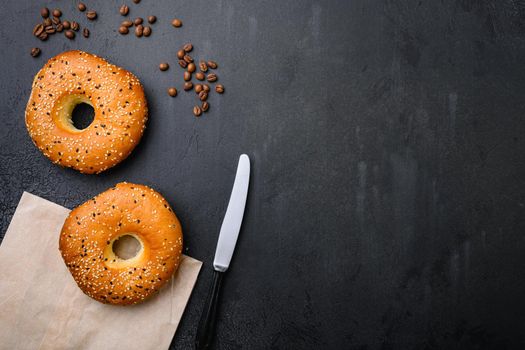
x: 91, y: 228
x: 116, y: 96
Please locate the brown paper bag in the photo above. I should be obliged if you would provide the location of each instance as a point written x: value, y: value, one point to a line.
x: 41, y: 306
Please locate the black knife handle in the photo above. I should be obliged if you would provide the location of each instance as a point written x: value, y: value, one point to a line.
x: 208, y: 319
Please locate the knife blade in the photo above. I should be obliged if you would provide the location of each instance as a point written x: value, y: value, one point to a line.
x: 231, y: 225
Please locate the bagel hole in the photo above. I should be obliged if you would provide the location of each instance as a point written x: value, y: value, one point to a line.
x: 82, y: 116
x: 126, y: 247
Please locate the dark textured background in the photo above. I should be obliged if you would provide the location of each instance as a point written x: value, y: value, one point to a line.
x: 387, y: 203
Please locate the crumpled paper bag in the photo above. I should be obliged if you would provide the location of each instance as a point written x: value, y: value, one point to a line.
x: 41, y: 306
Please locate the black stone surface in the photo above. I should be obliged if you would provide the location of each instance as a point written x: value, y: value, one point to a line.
x: 387, y: 203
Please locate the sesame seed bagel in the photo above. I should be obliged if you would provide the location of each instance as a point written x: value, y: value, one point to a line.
x: 91, y: 230
x: 115, y: 94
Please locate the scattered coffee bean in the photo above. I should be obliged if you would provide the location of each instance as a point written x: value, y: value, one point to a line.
x: 123, y: 30
x: 75, y: 26
x: 139, y: 31
x: 212, y: 64
x: 147, y: 31
x: 203, y: 66
x: 197, y: 111
x: 176, y: 23
x: 206, y: 87
x: 183, y: 63
x: 191, y: 67
x: 188, y: 47
x: 38, y: 29
x: 85, y: 33
x: 43, y: 36
x: 180, y: 54
x: 124, y: 10
x: 81, y: 7
x: 205, y: 106
x: 66, y: 25
x: 203, y: 95
x: 59, y: 27
x: 91, y: 15
x: 35, y: 51
x: 198, y: 88
x: 48, y: 22
x: 57, y: 13
x: 44, y: 12
x: 152, y: 19
x: 219, y: 89
x: 199, y: 76
x: 164, y: 66
x: 188, y: 86
x: 187, y: 76
x: 69, y: 34
x: 136, y: 1
x: 126, y: 24
x: 138, y: 21
x: 172, y: 92
x: 50, y: 30
x: 211, y: 77
x: 55, y: 20
x: 188, y: 58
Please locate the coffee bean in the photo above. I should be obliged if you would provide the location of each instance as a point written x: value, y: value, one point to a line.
x: 199, y: 76
x: 203, y: 66
x: 197, y: 111
x: 81, y: 7
x: 191, y: 67
x: 188, y: 58
x: 198, y: 88
x: 85, y: 32
x: 164, y: 66
x: 172, y: 92
x: 219, y: 89
x: 48, y: 22
x: 136, y: 1
x: 183, y: 63
x: 206, y: 87
x: 147, y: 31
x: 152, y: 19
x: 44, y: 12
x: 139, y: 30
x: 124, y: 10
x: 212, y: 77
x: 203, y: 95
x: 126, y: 24
x: 59, y: 27
x: 75, y: 26
x: 50, y: 30
x: 38, y: 29
x: 180, y: 54
x: 188, y: 86
x: 205, y: 106
x: 57, y: 13
x: 66, y: 25
x: 176, y: 23
x: 91, y: 15
x: 187, y: 76
x: 212, y: 64
x: 188, y: 47
x: 43, y: 36
x: 69, y: 34
x: 138, y: 21
x: 35, y: 51
x: 123, y: 30
x: 55, y: 20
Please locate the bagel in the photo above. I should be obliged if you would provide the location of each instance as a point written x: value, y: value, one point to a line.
x: 89, y: 234
x: 115, y: 94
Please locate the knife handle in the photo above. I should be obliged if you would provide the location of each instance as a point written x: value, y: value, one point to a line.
x: 206, y: 330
